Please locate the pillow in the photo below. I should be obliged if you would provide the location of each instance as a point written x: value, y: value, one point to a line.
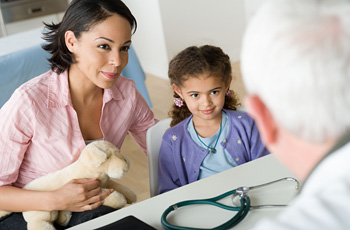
x: 19, y: 67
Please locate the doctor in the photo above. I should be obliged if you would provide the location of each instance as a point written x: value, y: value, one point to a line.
x: 296, y: 67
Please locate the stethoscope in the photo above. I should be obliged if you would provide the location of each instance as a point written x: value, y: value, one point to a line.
x: 242, y: 210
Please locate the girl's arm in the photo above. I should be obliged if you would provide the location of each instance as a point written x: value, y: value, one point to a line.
x: 258, y: 148
x: 77, y: 195
x: 167, y: 174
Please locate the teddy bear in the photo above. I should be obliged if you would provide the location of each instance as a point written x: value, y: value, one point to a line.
x: 99, y: 159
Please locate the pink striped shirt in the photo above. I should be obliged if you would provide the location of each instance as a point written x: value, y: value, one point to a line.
x: 40, y: 131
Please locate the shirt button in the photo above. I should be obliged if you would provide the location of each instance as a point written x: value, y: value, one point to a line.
x: 239, y: 117
x: 184, y: 159
x: 237, y: 159
x: 174, y: 137
x: 224, y: 140
x: 239, y: 142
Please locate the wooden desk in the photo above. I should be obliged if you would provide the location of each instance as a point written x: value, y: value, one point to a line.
x: 257, y: 172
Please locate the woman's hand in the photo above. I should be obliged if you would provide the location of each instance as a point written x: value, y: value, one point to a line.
x: 80, y: 195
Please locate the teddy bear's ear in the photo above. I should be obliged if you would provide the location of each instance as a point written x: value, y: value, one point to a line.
x: 92, y: 155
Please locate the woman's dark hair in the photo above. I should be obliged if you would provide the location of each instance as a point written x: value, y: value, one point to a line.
x: 79, y: 17
x: 193, y: 62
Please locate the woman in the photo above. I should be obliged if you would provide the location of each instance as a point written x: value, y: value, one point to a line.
x: 50, y: 119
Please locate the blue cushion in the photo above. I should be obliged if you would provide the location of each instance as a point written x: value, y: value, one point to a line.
x: 135, y: 72
x: 19, y: 67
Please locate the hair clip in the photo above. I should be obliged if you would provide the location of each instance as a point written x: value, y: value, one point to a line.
x: 178, y: 102
x: 228, y: 93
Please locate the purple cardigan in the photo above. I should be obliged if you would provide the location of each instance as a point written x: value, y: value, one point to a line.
x: 180, y: 157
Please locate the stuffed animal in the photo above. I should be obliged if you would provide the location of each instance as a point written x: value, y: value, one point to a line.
x: 99, y: 159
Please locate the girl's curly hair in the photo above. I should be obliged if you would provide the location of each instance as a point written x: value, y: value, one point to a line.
x: 193, y: 62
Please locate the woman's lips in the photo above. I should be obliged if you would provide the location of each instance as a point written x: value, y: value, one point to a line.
x: 109, y: 75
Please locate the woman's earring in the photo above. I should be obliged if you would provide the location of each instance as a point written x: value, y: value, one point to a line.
x: 178, y: 102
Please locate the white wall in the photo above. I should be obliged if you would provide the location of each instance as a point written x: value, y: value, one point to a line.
x: 199, y: 22
x: 251, y: 6
x: 167, y: 26
x: 149, y: 41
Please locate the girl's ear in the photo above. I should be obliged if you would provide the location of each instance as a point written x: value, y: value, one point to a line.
x: 177, y: 90
x: 70, y: 40
x: 228, y: 83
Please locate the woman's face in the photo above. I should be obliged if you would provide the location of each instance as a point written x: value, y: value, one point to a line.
x: 102, y: 52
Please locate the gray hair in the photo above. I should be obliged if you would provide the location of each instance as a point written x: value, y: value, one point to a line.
x: 296, y: 58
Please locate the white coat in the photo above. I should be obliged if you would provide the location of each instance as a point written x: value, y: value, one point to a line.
x: 324, y: 201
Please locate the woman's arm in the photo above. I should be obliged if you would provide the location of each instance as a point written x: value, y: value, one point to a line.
x: 143, y: 120
x: 18, y: 127
x: 77, y: 195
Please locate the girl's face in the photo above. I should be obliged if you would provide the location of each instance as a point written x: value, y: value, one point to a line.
x: 102, y: 52
x: 204, y: 96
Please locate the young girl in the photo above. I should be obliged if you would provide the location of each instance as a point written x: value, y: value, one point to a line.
x: 208, y: 135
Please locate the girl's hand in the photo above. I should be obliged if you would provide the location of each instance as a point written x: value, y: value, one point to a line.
x: 80, y: 195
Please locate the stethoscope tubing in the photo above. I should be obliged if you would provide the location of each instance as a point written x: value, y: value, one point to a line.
x: 242, y: 211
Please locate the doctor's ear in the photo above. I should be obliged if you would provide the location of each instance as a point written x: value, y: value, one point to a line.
x: 263, y: 118
x: 70, y: 40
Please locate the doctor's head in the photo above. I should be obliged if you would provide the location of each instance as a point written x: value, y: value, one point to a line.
x: 296, y: 60
x: 296, y: 69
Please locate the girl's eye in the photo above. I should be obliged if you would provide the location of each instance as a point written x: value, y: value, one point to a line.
x: 104, y: 46
x: 214, y: 92
x: 125, y: 48
x: 194, y: 95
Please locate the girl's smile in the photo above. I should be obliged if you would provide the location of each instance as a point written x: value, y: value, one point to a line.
x: 205, y: 97
x: 207, y: 111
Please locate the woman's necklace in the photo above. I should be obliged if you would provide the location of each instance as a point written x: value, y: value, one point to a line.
x: 212, y: 149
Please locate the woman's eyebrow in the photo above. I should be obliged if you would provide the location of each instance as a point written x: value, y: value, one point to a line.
x: 104, y: 38
x: 127, y: 42
x: 110, y: 40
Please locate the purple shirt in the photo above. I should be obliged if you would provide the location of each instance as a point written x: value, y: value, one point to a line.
x: 180, y: 157
x: 40, y: 131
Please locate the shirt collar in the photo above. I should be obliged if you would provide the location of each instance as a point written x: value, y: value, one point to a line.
x: 58, y: 94
x: 113, y: 93
x: 343, y: 141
